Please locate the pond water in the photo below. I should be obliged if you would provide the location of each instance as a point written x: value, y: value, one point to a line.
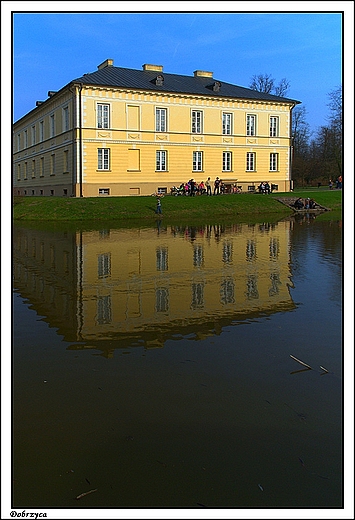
x: 152, y: 367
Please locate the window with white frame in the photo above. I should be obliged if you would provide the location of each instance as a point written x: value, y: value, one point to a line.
x: 33, y: 135
x: 226, y: 123
x: 274, y: 126
x: 197, y: 161
x: 103, y: 159
x: 65, y: 119
x: 227, y: 161
x: 41, y: 131
x: 103, y: 115
x: 251, y: 122
x: 196, y: 121
x: 52, y: 120
x: 160, y: 119
x: 250, y: 161
x: 160, y: 161
x: 274, y: 162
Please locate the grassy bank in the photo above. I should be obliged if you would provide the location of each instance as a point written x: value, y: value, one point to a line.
x: 242, y: 206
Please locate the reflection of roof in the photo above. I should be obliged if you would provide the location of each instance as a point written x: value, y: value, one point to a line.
x: 146, y: 80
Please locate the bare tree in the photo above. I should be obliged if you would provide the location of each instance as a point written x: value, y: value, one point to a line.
x: 266, y: 83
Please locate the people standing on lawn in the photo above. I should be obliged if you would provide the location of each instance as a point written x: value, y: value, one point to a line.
x: 216, y: 186
x: 208, y: 186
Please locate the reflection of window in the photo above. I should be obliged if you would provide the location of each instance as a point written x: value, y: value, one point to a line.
x: 227, y: 291
x: 198, y: 256
x: 104, y: 265
x: 275, y: 282
x: 274, y: 247
x: 252, y: 292
x: 161, y: 299
x: 197, y: 301
x: 104, y: 314
x: 227, y: 252
x: 162, y: 259
x: 251, y: 250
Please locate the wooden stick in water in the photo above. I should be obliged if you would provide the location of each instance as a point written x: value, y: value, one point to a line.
x: 84, y: 494
x: 299, y: 361
x: 325, y: 370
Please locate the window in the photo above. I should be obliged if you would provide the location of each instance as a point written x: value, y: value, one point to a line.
x: 250, y: 161
x: 41, y: 167
x: 103, y: 112
x: 19, y: 172
x: 162, y: 259
x: 274, y: 126
x: 196, y: 122
x: 160, y: 161
x: 197, y: 295
x: 198, y: 257
x: 66, y: 161
x: 160, y: 119
x: 251, y: 125
x: 65, y: 119
x: 104, y: 265
x: 104, y: 191
x: 41, y: 131
x: 162, y: 299
x: 33, y: 169
x: 26, y: 139
x: 197, y: 161
x: 26, y: 171
x: 33, y: 135
x: 104, y: 312
x: 274, y: 162
x: 226, y: 124
x: 52, y: 120
x: 227, y: 291
x: 252, y: 292
x: 227, y: 161
x: 103, y: 159
x: 53, y: 164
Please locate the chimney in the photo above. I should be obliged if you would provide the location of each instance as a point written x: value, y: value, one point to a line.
x: 203, y: 74
x: 155, y: 68
x: 106, y: 63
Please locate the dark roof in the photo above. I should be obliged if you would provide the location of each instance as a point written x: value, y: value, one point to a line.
x: 145, y: 80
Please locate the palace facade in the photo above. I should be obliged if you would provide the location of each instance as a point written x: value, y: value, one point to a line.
x: 120, y: 132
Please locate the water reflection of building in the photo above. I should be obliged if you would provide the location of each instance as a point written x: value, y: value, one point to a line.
x: 115, y: 287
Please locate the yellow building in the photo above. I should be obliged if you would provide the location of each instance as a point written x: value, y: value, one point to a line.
x: 121, y: 131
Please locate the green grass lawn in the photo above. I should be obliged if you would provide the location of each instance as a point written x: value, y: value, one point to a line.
x: 197, y: 209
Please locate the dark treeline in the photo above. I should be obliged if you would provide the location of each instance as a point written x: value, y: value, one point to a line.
x: 318, y: 155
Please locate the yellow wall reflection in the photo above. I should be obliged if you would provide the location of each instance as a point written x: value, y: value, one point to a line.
x: 145, y: 285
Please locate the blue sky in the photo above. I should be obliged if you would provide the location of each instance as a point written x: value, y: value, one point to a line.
x: 52, y: 48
